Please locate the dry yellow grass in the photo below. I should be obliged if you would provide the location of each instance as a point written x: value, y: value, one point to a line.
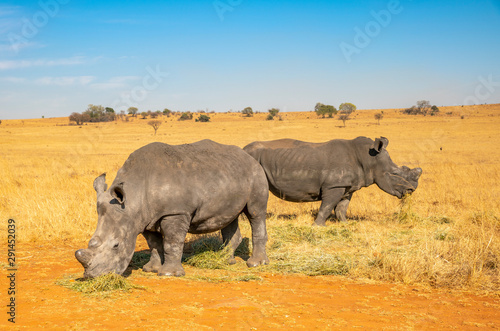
x: 450, y: 237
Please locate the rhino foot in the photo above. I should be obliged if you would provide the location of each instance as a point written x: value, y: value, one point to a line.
x: 151, y: 266
x: 231, y: 260
x: 171, y: 270
x: 256, y: 261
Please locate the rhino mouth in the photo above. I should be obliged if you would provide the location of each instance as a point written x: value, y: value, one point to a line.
x: 402, y: 186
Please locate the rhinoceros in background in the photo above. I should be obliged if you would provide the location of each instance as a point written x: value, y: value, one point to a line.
x: 164, y: 192
x: 332, y: 171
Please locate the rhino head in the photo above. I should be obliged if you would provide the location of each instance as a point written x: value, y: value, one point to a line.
x: 397, y: 181
x: 112, y: 246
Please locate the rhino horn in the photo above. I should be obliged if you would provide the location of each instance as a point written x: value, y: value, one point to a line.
x: 83, y: 256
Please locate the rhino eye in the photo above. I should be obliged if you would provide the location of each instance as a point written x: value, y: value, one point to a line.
x: 115, y: 246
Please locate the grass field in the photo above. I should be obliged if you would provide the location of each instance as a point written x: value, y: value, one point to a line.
x: 446, y: 235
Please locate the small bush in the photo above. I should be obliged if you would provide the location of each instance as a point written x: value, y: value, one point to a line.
x: 186, y: 116
x: 203, y: 118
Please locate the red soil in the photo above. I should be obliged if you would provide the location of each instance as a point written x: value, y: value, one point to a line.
x: 275, y: 302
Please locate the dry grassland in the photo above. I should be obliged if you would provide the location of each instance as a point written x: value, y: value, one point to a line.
x: 447, y: 234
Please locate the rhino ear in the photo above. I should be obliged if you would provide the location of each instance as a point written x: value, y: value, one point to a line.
x: 380, y: 144
x: 100, y: 184
x: 118, y: 193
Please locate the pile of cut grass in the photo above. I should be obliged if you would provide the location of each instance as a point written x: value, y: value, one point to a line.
x: 104, y: 284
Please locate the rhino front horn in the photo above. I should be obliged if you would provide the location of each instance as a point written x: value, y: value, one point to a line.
x: 83, y: 256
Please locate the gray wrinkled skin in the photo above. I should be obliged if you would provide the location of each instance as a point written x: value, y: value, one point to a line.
x: 331, y: 171
x: 164, y: 192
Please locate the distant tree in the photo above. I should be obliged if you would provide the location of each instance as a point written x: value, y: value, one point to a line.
x: 144, y: 115
x: 133, y: 111
x: 167, y: 112
x: 434, y: 110
x: 347, y: 108
x: 248, y: 112
x: 155, y: 124
x: 0, y: 121
x: 97, y: 113
x: 322, y: 110
x: 273, y: 112
x: 269, y: 117
x: 423, y: 106
x: 154, y: 114
x: 76, y: 117
x: 203, y: 118
x: 378, y: 117
x: 344, y: 117
x: 109, y: 110
x: 186, y: 116
x: 79, y: 118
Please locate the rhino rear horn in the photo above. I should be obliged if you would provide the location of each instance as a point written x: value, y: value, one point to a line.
x: 380, y: 143
x: 100, y: 184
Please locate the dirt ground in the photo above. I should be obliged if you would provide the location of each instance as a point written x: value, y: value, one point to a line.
x: 275, y: 301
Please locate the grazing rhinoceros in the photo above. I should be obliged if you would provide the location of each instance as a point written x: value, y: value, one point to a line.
x: 164, y: 192
x: 331, y: 171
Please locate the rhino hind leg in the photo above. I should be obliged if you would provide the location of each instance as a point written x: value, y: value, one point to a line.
x: 330, y: 198
x: 259, y: 237
x: 155, y: 243
x: 174, y: 229
x: 231, y: 236
x: 341, y: 209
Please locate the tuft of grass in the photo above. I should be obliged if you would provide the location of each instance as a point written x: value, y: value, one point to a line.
x: 207, y: 252
x: 100, y: 285
x: 406, y: 213
x: 227, y: 278
x: 311, y: 263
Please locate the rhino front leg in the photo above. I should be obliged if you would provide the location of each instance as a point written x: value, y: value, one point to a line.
x: 231, y: 236
x: 341, y: 208
x: 174, y: 229
x: 155, y: 243
x: 330, y: 198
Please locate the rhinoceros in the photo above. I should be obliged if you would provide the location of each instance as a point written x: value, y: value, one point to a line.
x: 332, y: 171
x: 164, y: 192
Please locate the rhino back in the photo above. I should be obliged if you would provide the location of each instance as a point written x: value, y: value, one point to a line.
x: 208, y: 181
x: 299, y: 171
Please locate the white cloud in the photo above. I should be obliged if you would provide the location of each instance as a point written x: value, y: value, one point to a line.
x: 18, y: 64
x: 65, y: 80
x: 12, y: 80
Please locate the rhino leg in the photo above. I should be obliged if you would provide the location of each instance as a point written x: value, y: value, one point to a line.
x: 174, y: 229
x: 330, y: 198
x: 341, y: 209
x: 231, y: 236
x: 155, y: 243
x: 257, y: 218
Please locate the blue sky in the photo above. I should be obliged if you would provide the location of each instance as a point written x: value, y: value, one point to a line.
x: 58, y: 56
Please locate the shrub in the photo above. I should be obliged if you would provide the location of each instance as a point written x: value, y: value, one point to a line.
x: 203, y: 118
x: 186, y: 116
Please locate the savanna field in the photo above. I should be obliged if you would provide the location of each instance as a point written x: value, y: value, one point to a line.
x: 441, y: 244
